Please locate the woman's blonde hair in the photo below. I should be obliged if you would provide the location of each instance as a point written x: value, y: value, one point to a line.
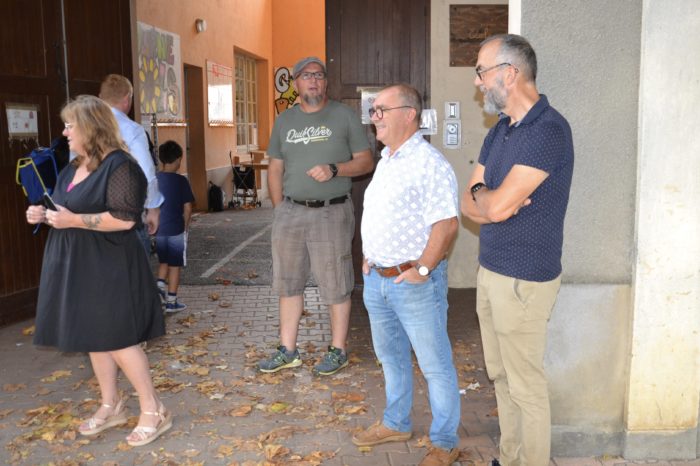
x: 98, y: 127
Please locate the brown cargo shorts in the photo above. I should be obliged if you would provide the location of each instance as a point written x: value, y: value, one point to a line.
x: 316, y: 240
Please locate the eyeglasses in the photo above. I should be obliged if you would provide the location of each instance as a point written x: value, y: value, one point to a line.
x: 319, y: 75
x: 68, y: 126
x: 379, y: 111
x: 480, y: 71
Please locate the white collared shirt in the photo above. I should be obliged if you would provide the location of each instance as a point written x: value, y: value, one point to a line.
x: 411, y: 189
x: 135, y: 139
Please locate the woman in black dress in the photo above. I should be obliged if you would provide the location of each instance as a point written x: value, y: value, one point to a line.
x: 97, y: 293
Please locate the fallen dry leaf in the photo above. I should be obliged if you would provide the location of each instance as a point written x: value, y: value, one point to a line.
x: 240, y: 411
x: 352, y: 397
x: 28, y: 330
x: 225, y: 450
x: 55, y: 375
x: 278, y: 407
x: 13, y: 387
x: 272, y: 451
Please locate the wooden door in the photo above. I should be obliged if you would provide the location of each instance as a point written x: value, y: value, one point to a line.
x: 33, y: 72
x: 194, y: 109
x: 375, y: 43
x: 98, y: 42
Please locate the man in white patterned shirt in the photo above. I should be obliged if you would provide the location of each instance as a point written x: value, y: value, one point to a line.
x: 408, y: 224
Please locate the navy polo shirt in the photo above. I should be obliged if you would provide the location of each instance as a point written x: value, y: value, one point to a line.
x: 528, y: 246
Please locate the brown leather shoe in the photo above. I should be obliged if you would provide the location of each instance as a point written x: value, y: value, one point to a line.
x: 378, y: 433
x: 439, y: 457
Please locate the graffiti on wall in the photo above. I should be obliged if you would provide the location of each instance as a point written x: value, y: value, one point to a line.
x: 285, y: 93
x: 160, y: 69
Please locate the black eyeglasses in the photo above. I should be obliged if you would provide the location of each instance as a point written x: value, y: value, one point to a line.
x: 480, y: 71
x: 379, y: 111
x: 319, y: 75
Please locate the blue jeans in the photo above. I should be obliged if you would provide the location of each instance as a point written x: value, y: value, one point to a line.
x: 409, y: 315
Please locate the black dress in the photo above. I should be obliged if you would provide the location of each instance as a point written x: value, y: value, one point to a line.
x: 97, y: 291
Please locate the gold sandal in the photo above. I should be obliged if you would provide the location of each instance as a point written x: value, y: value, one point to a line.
x: 95, y: 425
x: 145, y: 435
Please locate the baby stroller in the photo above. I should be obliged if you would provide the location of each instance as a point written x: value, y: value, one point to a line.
x: 245, y: 193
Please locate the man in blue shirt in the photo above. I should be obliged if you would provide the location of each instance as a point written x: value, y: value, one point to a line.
x: 118, y: 92
x: 518, y: 193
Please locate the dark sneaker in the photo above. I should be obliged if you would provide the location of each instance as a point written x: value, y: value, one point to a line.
x: 280, y: 359
x: 161, y: 293
x: 378, y: 433
x: 333, y: 361
x: 174, y: 306
x: 439, y: 457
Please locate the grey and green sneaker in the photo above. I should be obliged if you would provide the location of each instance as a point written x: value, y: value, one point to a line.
x: 334, y: 360
x: 280, y: 359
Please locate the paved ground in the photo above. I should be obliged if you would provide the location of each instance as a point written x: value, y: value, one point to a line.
x: 230, y: 247
x: 226, y: 413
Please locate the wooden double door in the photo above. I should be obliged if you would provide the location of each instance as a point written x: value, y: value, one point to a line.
x: 52, y: 50
x: 373, y: 43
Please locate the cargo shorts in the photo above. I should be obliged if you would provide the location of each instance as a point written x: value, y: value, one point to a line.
x: 316, y: 240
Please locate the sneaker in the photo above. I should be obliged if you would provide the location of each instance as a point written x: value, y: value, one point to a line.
x: 439, y: 457
x: 161, y: 293
x: 280, y: 359
x: 378, y: 433
x: 174, y: 306
x: 333, y: 361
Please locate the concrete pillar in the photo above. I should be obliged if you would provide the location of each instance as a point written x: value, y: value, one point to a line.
x: 663, y: 392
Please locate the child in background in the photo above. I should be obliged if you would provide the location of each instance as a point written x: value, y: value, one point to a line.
x: 175, y: 213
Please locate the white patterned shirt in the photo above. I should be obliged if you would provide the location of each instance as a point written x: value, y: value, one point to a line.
x: 411, y: 189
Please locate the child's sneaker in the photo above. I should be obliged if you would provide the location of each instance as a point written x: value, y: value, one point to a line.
x: 162, y: 290
x: 172, y: 307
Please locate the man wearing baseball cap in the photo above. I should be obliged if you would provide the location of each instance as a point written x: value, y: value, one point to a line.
x: 315, y: 149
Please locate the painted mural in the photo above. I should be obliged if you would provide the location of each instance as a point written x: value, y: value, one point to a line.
x: 285, y: 93
x: 160, y: 73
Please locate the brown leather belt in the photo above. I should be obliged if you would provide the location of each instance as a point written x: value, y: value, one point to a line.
x: 393, y: 271
x: 315, y: 204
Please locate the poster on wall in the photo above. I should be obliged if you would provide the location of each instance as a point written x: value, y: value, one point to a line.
x: 160, y: 73
x: 285, y: 93
x: 220, y: 94
x: 22, y: 121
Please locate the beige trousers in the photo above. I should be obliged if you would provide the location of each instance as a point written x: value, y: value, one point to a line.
x: 513, y: 317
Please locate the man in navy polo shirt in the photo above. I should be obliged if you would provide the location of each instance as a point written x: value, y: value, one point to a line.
x: 518, y: 192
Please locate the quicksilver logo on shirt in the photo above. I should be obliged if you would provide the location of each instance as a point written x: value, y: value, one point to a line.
x: 308, y: 134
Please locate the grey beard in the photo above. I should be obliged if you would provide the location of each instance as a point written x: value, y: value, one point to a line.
x: 493, y: 103
x: 313, y: 101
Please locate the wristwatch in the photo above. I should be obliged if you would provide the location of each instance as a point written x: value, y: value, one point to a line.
x: 423, y: 271
x: 334, y: 170
x: 475, y: 188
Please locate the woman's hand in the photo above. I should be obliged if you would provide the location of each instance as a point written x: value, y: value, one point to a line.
x: 36, y: 214
x: 61, y: 218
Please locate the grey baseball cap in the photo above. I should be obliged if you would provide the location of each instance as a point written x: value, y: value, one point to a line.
x: 301, y: 64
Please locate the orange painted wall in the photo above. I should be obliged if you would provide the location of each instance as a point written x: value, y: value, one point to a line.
x: 276, y: 32
x: 240, y: 25
x: 298, y: 30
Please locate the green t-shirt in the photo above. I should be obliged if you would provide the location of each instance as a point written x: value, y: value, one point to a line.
x: 304, y: 140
